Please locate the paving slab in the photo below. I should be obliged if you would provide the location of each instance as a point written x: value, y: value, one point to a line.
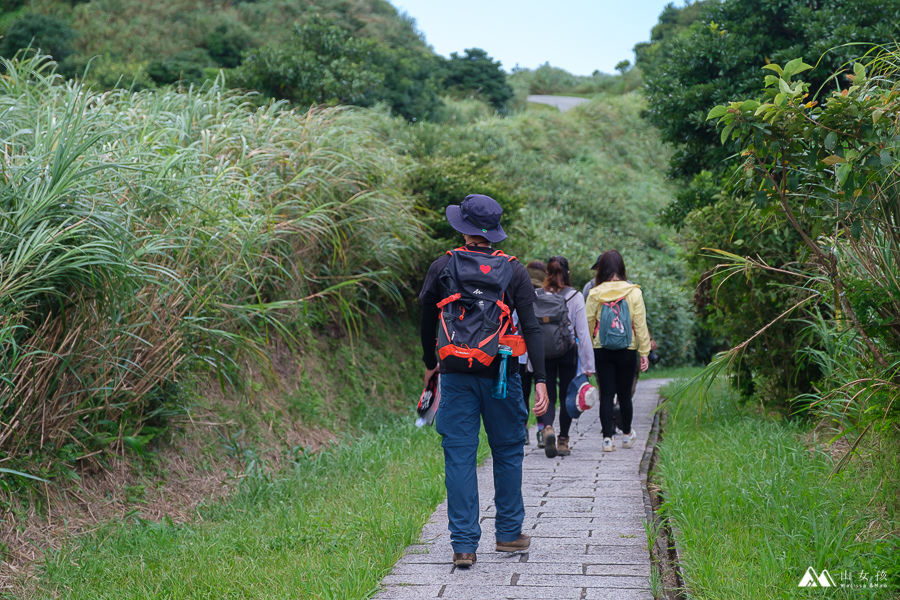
x: 563, y: 103
x: 585, y: 515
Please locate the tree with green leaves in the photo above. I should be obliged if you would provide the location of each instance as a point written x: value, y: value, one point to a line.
x: 672, y: 21
x: 718, y: 57
x: 827, y: 167
x: 477, y: 74
x: 707, y: 55
x: 325, y: 64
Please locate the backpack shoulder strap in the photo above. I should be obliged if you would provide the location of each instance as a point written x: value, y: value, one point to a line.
x: 501, y: 253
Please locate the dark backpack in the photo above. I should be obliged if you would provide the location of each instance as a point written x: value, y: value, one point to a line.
x: 613, y: 329
x: 552, y: 312
x: 473, y: 313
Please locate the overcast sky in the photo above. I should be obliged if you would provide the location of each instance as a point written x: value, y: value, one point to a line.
x: 577, y: 35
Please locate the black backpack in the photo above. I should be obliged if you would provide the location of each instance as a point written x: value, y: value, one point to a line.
x: 552, y: 312
x: 473, y: 313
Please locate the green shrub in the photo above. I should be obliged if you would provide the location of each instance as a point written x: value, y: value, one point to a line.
x: 46, y: 33
x: 453, y: 111
x: 825, y: 172
x: 410, y: 81
x: 713, y: 52
x: 106, y: 72
x: 439, y: 181
x: 546, y: 79
x: 227, y: 43
x: 735, y: 304
x: 11, y: 5
x: 187, y: 67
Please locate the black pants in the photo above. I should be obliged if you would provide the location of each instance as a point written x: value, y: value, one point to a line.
x: 526, y: 385
x: 615, y: 376
x: 560, y: 373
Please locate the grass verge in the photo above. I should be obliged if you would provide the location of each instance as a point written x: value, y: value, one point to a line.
x: 753, y: 505
x: 671, y: 372
x: 326, y: 524
x: 329, y: 525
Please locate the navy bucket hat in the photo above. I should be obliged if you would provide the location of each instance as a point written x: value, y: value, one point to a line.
x: 477, y: 215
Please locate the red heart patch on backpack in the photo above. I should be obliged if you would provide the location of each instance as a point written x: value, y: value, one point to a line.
x: 485, y: 269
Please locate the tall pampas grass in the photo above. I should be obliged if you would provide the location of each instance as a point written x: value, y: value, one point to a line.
x: 145, y: 234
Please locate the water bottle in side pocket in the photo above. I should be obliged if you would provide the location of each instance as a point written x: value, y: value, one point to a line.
x: 498, y: 390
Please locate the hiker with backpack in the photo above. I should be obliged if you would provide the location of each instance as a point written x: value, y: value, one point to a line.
x: 468, y: 298
x: 560, y: 311
x: 617, y: 317
x: 590, y: 282
x: 537, y: 271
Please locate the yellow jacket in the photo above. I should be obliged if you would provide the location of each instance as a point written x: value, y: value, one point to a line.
x: 613, y: 290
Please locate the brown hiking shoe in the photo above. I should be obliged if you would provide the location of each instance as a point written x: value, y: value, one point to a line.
x: 523, y: 542
x: 464, y: 559
x: 562, y: 446
x: 549, y: 442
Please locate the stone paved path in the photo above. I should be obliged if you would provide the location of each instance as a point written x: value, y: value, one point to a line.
x: 563, y: 103
x: 584, y: 512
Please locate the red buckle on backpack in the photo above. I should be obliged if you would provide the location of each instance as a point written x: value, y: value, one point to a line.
x: 467, y: 353
x: 448, y: 300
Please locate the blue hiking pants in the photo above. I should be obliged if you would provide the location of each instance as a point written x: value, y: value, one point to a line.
x: 465, y: 398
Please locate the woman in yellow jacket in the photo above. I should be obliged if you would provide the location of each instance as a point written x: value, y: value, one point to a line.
x: 616, y: 368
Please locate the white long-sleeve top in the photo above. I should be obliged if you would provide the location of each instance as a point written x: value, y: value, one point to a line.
x: 578, y: 327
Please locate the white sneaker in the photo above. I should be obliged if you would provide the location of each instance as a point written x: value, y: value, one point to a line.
x: 608, y: 445
x: 628, y: 439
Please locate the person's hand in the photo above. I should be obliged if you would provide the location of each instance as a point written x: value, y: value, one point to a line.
x: 645, y: 363
x: 430, y: 372
x: 541, y: 399
x: 588, y: 374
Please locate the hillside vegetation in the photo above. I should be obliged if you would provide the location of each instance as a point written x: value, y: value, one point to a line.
x: 127, y: 35
x: 349, y: 52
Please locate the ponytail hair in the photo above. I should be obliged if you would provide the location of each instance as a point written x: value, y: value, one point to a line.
x: 557, y: 274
